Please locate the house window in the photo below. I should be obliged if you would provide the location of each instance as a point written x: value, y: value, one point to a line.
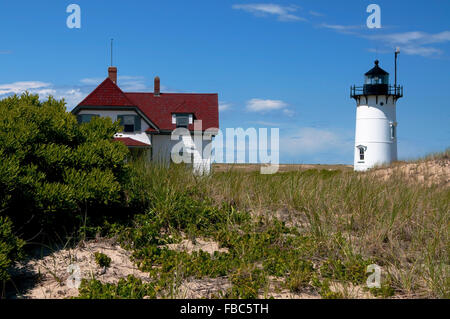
x: 130, y: 123
x: 85, y: 118
x: 182, y: 120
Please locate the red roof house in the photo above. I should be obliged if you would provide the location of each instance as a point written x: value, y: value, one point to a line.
x: 149, y: 118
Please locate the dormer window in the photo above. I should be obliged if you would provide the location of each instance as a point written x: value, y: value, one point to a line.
x: 182, y: 120
x: 130, y: 123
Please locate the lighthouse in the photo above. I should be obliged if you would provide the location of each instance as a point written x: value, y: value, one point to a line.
x: 376, y: 122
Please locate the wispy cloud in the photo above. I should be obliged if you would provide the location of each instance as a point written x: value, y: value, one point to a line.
x: 133, y: 83
x: 415, y: 42
x: 72, y: 95
x: 316, y: 14
x: 349, y: 29
x: 91, y: 81
x: 224, y: 106
x: 283, y: 13
x: 261, y: 105
x: 19, y: 87
x: 266, y: 123
x: 5, y: 52
x: 411, y: 43
x: 126, y: 82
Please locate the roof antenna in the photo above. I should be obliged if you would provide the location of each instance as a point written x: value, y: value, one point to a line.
x: 112, y: 52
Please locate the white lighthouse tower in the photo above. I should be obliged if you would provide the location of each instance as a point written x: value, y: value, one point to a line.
x: 376, y: 123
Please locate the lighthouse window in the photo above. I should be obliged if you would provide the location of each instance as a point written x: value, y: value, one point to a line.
x: 361, y: 154
x: 393, y: 133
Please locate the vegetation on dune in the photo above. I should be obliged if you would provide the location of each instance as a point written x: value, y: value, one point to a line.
x: 102, y: 260
x: 311, y: 228
x: 54, y: 171
x: 307, y: 229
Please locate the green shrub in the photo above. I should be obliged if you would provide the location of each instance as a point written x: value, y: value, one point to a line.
x: 246, y: 283
x: 10, y: 247
x: 298, y: 280
x: 54, y: 169
x: 129, y: 288
x: 102, y: 260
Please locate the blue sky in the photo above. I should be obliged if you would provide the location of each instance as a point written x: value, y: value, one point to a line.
x: 286, y: 64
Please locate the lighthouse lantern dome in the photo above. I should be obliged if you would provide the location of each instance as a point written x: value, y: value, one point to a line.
x: 376, y: 75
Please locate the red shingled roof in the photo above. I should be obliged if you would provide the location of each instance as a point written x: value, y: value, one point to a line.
x: 158, y: 109
x: 130, y: 142
x: 107, y: 93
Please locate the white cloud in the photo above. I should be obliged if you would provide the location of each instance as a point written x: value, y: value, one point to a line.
x: 133, y: 83
x: 283, y: 13
x: 415, y: 42
x: 348, y: 29
x: 411, y: 43
x: 288, y: 112
x: 265, y: 123
x: 417, y: 37
x: 19, y: 87
x: 72, y: 95
x: 92, y: 81
x: 126, y: 82
x: 316, y: 14
x: 260, y: 105
x: 224, y: 106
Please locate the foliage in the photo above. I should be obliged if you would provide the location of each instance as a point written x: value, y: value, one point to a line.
x: 102, y: 260
x: 10, y: 247
x: 129, y: 288
x: 344, y: 218
x: 52, y: 168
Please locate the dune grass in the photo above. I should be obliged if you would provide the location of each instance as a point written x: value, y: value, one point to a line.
x: 308, y: 228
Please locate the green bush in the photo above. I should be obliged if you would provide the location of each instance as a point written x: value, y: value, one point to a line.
x: 52, y: 167
x: 10, y: 247
x: 102, y: 260
x: 129, y: 288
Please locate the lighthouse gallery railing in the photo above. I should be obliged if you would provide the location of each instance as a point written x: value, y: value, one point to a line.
x: 356, y: 91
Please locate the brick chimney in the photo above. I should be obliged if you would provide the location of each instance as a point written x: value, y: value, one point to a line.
x: 157, y: 86
x: 112, y: 74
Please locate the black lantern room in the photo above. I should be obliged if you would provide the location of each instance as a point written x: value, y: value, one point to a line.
x: 376, y: 82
